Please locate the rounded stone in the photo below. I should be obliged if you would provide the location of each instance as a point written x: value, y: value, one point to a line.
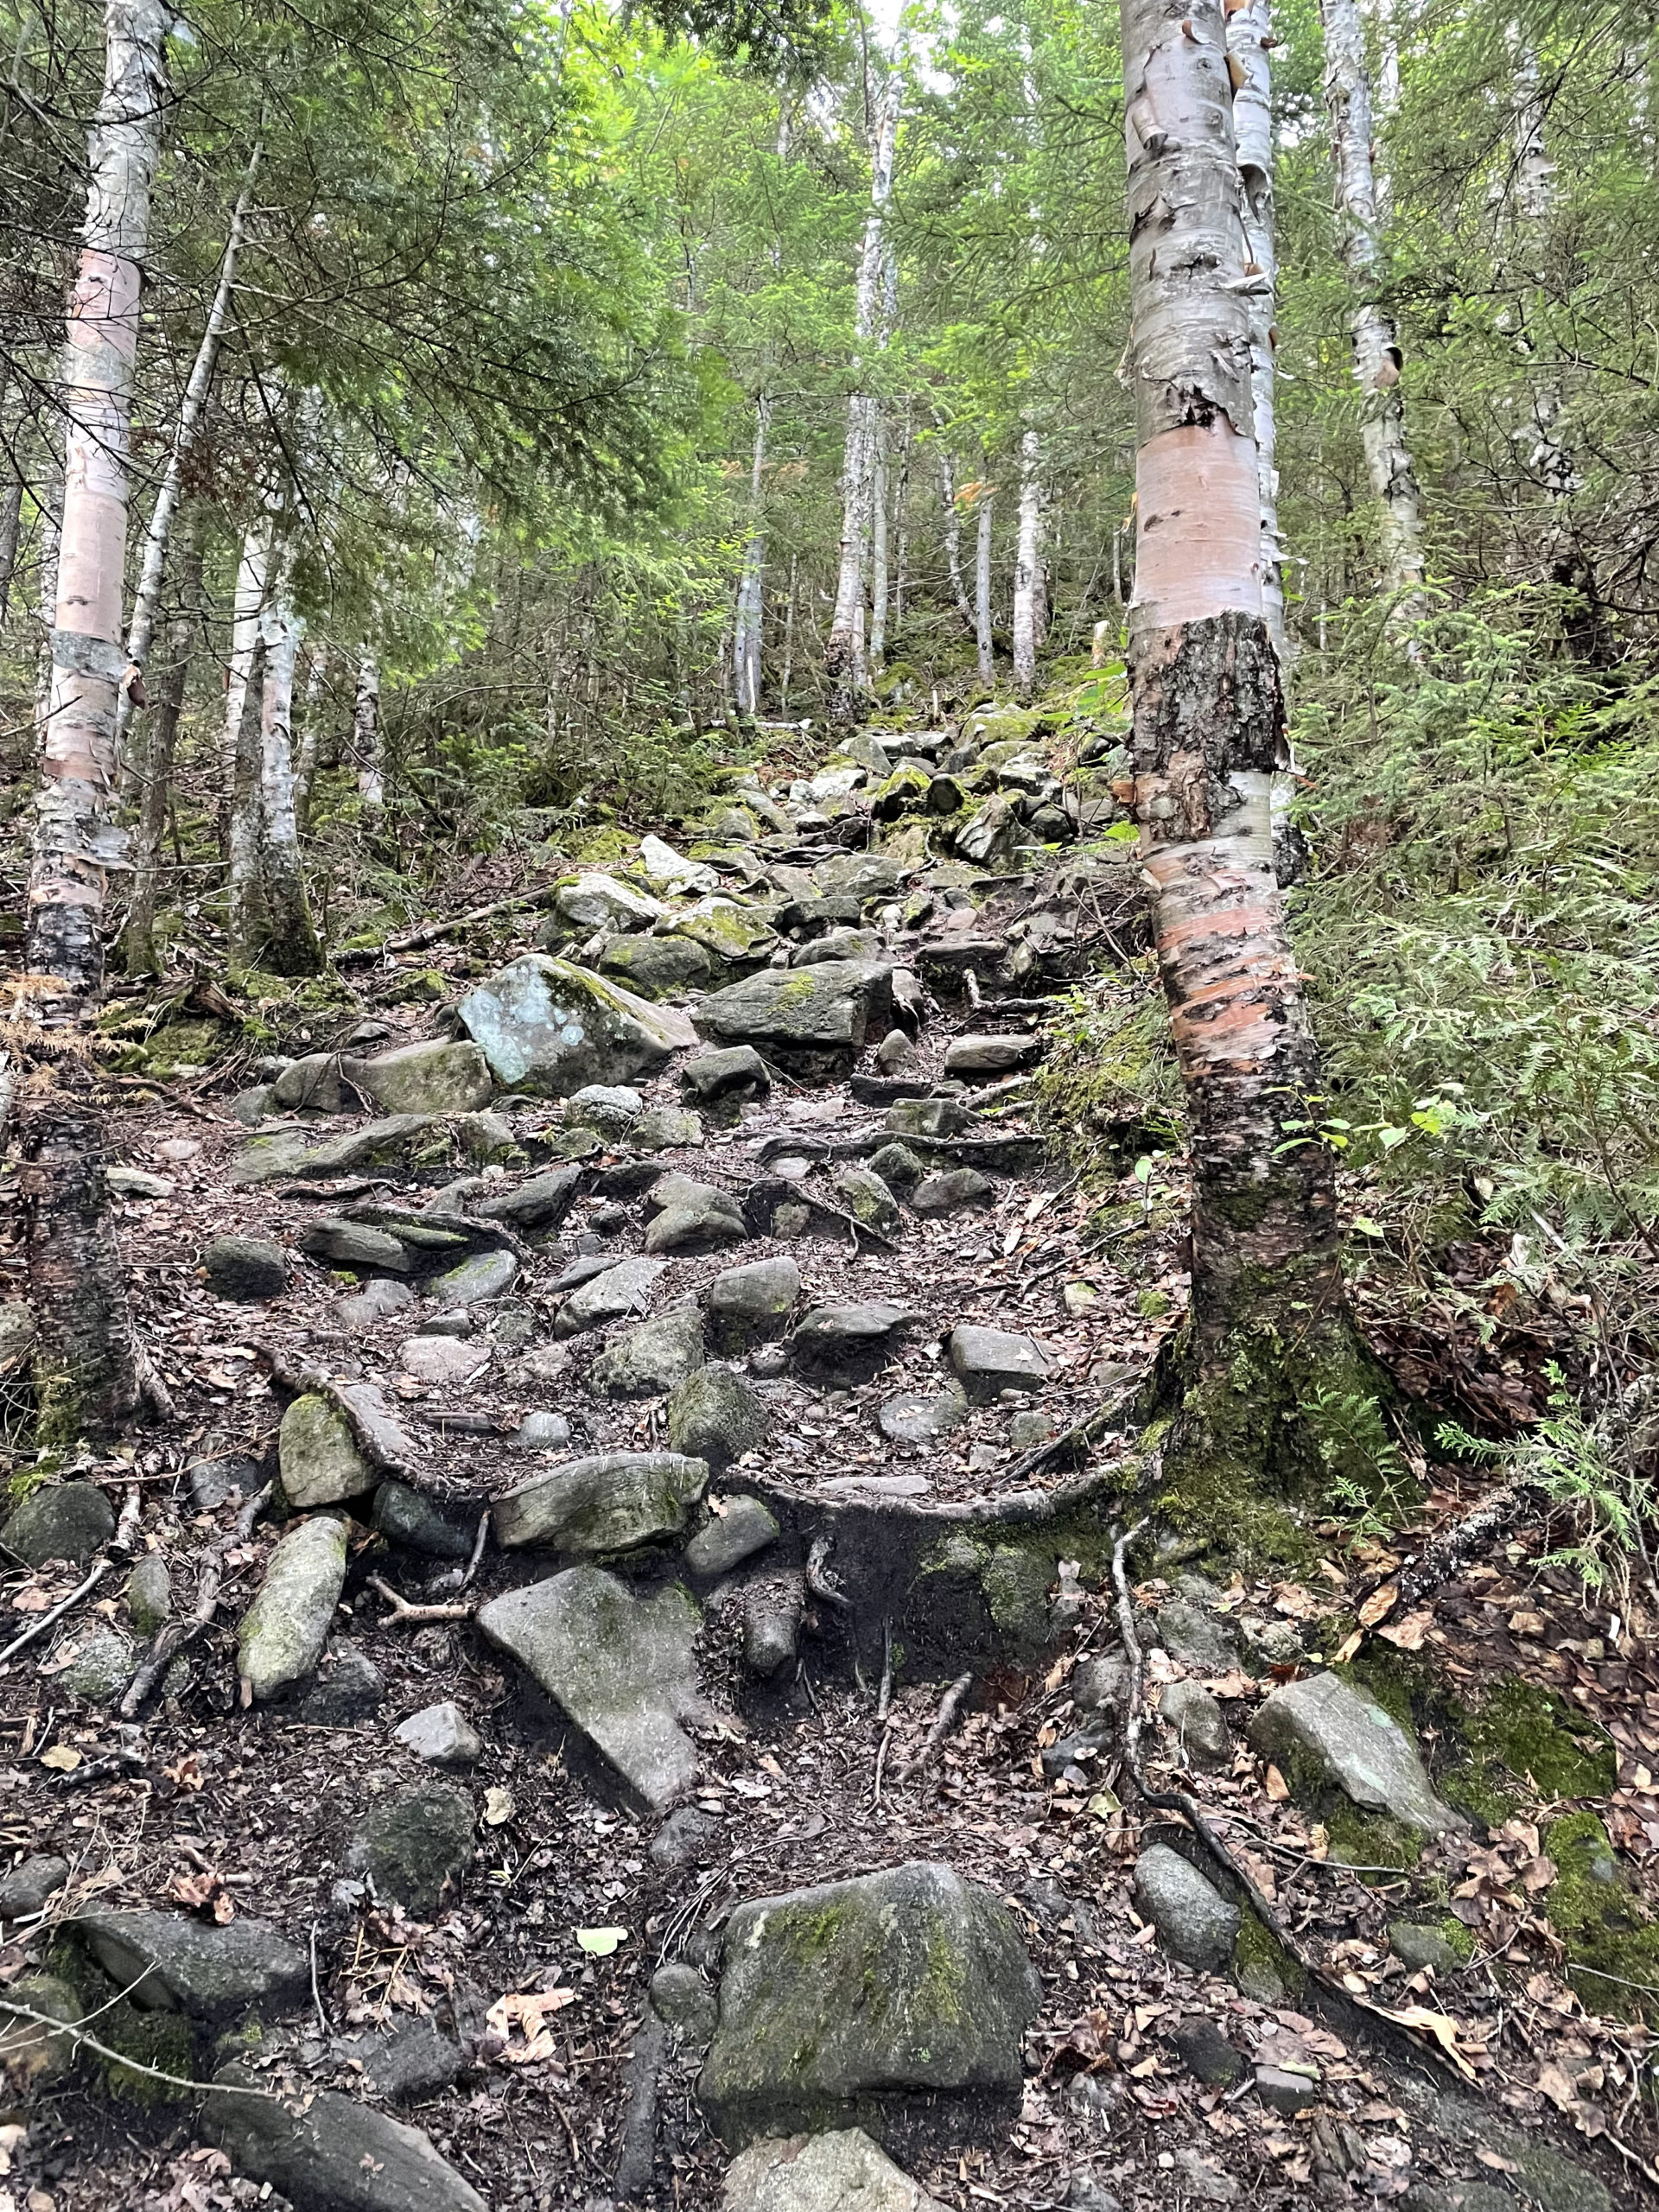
x: 66, y: 1521
x: 1197, y: 1924
x: 150, y: 1595
x: 250, y: 1269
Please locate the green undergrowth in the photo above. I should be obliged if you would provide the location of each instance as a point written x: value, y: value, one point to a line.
x: 1611, y: 1938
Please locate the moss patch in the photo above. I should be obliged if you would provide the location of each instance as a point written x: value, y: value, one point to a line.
x: 1256, y: 1946
x: 1540, y: 1737
x: 1611, y: 1938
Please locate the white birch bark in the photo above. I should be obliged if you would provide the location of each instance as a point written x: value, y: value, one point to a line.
x: 1378, y: 358
x: 305, y: 764
x: 76, y: 844
x: 1534, y: 199
x: 366, y: 734
x: 1028, y: 564
x: 982, y: 587
x: 251, y: 574
x: 1249, y: 40
x: 879, y: 577
x: 751, y: 590
x: 142, y: 628
x: 287, y: 944
x: 844, y: 665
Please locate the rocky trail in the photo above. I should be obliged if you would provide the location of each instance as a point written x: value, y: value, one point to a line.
x: 607, y: 1684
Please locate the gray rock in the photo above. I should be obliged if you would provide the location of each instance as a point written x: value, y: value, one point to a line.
x: 385, y: 1144
x: 409, y: 1519
x: 67, y: 1520
x: 539, y: 1202
x: 18, y: 1331
x: 138, y: 1183
x: 1417, y: 1947
x: 1323, y: 1724
x: 840, y: 2172
x: 441, y: 1733
x: 666, y: 1128
x: 655, y: 967
x: 734, y: 1075
x: 213, y: 1483
x: 1197, y: 1924
x: 318, y: 1454
x: 150, y: 1595
x: 838, y: 944
x: 896, y: 1055
x: 346, y: 1687
x: 715, y: 1415
x: 456, y: 1322
x: 898, y: 1167
x: 30, y: 1887
x: 416, y: 1844
x: 312, y: 1082
x: 443, y: 1078
x: 549, y: 1026
x: 737, y: 1527
x: 1028, y: 1431
x: 682, y: 2000
x: 1204, y: 2180
x: 249, y: 1269
x: 1205, y: 2051
x: 412, y: 2061
x: 335, y: 2156
x: 751, y: 1304
x: 1197, y: 1723
x: 611, y: 1107
x: 102, y: 1665
x: 1000, y: 1055
x: 538, y: 1369
x: 989, y: 1361
x: 600, y: 902
x: 684, y: 1839
x: 541, y: 1431
x: 614, y: 1502
x: 1270, y: 1643
x: 183, y: 1965
x: 991, y: 838
x: 255, y: 1104
x: 859, y: 875
x: 375, y: 1301
x: 648, y: 1361
x: 622, y: 1667
x: 1284, y: 2091
x: 1084, y: 2194
x: 868, y: 1199
x: 485, y: 1275
x: 1100, y: 1683
x: 839, y: 1345
x: 1257, y: 1981
x: 926, y: 1117
x: 442, y: 1359
x: 283, y: 1630
x: 950, y: 1190
x: 694, y: 1217
x: 512, y: 1327
x: 32, y: 2058
x: 922, y: 1416
x: 1188, y: 1633
x: 809, y: 1020
x: 909, y: 1979
x: 770, y: 1617
x: 619, y: 1290
x: 354, y: 1244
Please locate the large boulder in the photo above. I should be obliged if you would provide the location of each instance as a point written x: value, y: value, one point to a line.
x: 60, y: 1521
x: 623, y: 1668
x: 811, y: 1020
x: 656, y: 967
x: 318, y: 1456
x: 648, y: 1361
x: 283, y: 1630
x: 600, y: 902
x: 335, y: 2154
x: 547, y: 1026
x: 168, y: 1961
x: 838, y: 2001
x: 1323, y: 1732
x: 842, y: 2172
x: 613, y: 1502
x: 443, y: 1078
x: 715, y: 1415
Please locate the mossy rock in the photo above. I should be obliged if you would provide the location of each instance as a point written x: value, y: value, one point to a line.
x: 1611, y: 1938
x: 1257, y: 1947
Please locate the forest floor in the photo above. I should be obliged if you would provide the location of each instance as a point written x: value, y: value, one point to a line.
x: 1507, y: 2074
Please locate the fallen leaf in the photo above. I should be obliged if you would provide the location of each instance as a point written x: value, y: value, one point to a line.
x: 1350, y: 1644
x: 499, y: 1807
x: 1528, y: 1623
x: 1498, y: 2161
x: 1275, y: 1786
x: 1379, y: 1603
x: 599, y: 1943
x: 1426, y: 2022
x: 1235, y: 1684
x: 529, y: 2014
x: 1148, y: 2066
x: 1408, y: 1635
x: 60, y: 1759
x: 1554, y: 2084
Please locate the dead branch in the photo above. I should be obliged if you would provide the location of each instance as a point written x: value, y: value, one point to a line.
x: 819, y: 1581
x: 39, y: 1627
x: 943, y: 1721
x: 1445, y: 1555
x: 131, y: 2065
x: 405, y: 1614
x: 430, y: 932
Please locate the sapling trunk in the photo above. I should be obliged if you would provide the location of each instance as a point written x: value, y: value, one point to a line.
x: 1028, y: 565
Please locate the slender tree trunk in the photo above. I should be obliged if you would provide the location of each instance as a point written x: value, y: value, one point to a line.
x: 365, y: 736
x: 11, y: 502
x: 879, y: 585
x: 845, y: 674
x: 1377, y: 357
x: 153, y: 763
x: 141, y: 627
x: 1028, y: 565
x: 305, y: 765
x: 983, y: 585
x: 751, y: 598
x: 251, y: 574
x: 789, y: 639
x: 1267, y: 1314
x: 900, y: 510
x: 1249, y: 40
x: 953, y: 543
x: 289, y: 946
x: 46, y: 583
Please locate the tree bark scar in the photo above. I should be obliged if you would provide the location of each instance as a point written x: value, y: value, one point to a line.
x: 1208, y: 704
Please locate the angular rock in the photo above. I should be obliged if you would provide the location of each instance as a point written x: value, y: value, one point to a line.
x: 682, y: 2000
x: 655, y: 967
x: 255, y: 1104
x: 311, y: 1084
x: 809, y: 1020
x: 859, y: 875
x: 414, y: 1521
x: 214, y: 1483
x: 927, y: 1118
x: 770, y: 1617
x: 838, y: 944
x: 354, y: 1244
x: 129, y: 1183
x: 622, y: 1288
x: 751, y: 1304
x: 833, y: 1996
x: 1206, y: 2053
x: 735, y: 1074
x: 415, y: 1844
x: 1417, y: 1946
x: 103, y: 1662
x: 59, y: 1521
x: 683, y: 1839
x: 898, y: 1167
x: 249, y: 1269
x: 377, y: 1298
x: 283, y: 1630
x: 896, y: 1055
x: 715, y: 1415
x: 485, y: 1275
x: 540, y: 1431
x: 441, y: 1733
x: 1198, y: 1925
x: 150, y: 1595
x: 30, y: 1887
x: 844, y: 1345
x: 868, y: 1199
x: 665, y: 1128
x: 663, y: 865
x: 691, y: 1216
x: 950, y: 1190
x: 438, y: 1078
x: 539, y: 1202
x: 648, y: 1361
x: 1195, y: 1636
x: 600, y: 902
x: 411, y: 2061
x: 839, y: 2172
x: 623, y: 1668
x: 442, y: 1359
x: 737, y: 1529
x: 1338, y: 1734
x: 318, y: 1456
x: 613, y: 1502
x: 611, y: 1107
x: 346, y: 1687
x: 989, y: 1361
x: 338, y: 2155
x: 922, y: 1416
x: 1197, y: 1722
x: 1284, y: 2091
x: 183, y: 1965
x: 737, y: 938
x: 549, y: 1026
x: 991, y: 838
x: 289, y: 1151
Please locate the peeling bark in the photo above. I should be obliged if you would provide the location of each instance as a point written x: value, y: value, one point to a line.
x: 1249, y: 42
x: 251, y: 574
x: 366, y: 734
x: 751, y: 602
x: 1028, y: 566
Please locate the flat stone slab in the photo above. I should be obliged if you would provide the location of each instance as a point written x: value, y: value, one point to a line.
x: 835, y: 1996
x: 611, y: 1501
x: 989, y: 1361
x: 1325, y: 1726
x: 848, y: 1343
x: 485, y: 1275
x: 825, y: 1011
x: 616, y: 1290
x: 648, y: 1361
x: 441, y: 1733
x: 622, y: 1667
x: 840, y: 2172
x: 337, y: 2155
x: 922, y: 1416
x: 442, y: 1359
x: 539, y: 1202
x: 183, y: 1965
x: 998, y: 1055
x: 287, y: 1152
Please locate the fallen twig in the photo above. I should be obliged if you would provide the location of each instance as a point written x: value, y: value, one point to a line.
x: 430, y: 932
x: 818, y: 1579
x: 172, y: 1635
x: 404, y: 1614
x: 1073, y: 1439
x: 132, y: 2065
x: 39, y: 1627
x: 943, y: 1721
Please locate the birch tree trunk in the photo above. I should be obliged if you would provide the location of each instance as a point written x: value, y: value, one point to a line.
x: 985, y: 506
x: 1028, y: 565
x: 1249, y: 40
x: 11, y: 504
x: 879, y: 577
x: 845, y: 673
x: 1377, y: 357
x: 365, y: 734
x: 142, y: 628
x: 1268, y: 1315
x: 287, y: 944
x: 251, y: 574
x: 953, y: 542
x: 305, y: 765
x: 153, y: 764
x: 750, y: 593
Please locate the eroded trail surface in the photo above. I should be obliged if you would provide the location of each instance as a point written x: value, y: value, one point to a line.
x: 607, y: 1491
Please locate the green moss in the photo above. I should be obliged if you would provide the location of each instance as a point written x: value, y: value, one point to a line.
x: 602, y: 845
x: 1257, y: 1946
x: 1371, y: 1840
x: 1152, y: 1305
x: 1455, y: 1935
x: 1533, y: 1732
x: 1612, y: 1944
